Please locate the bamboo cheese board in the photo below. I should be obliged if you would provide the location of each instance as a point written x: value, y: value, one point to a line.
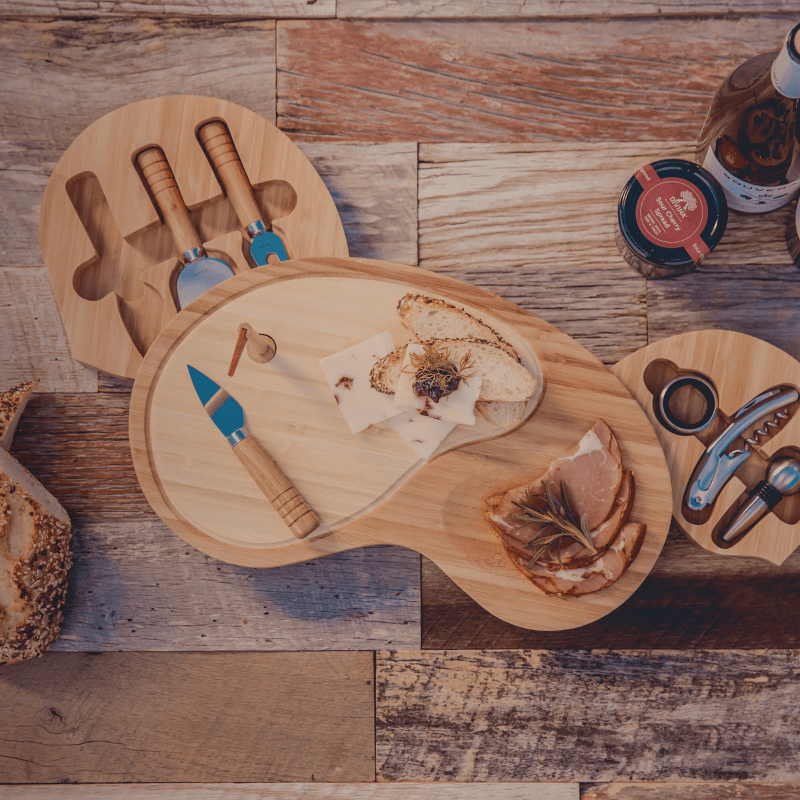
x: 369, y: 488
x: 111, y: 259
x: 739, y: 369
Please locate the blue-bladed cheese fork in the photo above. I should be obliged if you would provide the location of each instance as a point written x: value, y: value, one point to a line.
x: 228, y: 416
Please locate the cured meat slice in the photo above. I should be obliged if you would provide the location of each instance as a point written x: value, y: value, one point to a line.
x: 591, y: 476
x: 596, y: 485
x: 608, y: 569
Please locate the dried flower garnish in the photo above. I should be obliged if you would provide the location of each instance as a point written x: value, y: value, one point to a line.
x: 558, y: 520
x: 435, y: 375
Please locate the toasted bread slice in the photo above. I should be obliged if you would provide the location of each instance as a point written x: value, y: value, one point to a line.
x: 506, y: 415
x: 502, y: 378
x: 428, y: 318
x: 12, y: 404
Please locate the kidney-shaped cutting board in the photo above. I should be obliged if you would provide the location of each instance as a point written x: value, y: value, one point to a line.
x: 369, y: 488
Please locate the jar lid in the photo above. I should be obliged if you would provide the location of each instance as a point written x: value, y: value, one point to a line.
x: 672, y: 213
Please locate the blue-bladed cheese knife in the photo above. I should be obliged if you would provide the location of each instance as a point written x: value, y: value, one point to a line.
x: 221, y: 152
x: 228, y: 416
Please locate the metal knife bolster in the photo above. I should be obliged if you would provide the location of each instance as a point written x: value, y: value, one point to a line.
x: 716, y: 466
x: 237, y: 436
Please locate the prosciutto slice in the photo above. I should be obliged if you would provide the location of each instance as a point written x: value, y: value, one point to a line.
x: 608, y: 569
x: 596, y: 485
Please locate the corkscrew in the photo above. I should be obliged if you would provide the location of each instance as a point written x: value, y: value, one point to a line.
x: 767, y: 412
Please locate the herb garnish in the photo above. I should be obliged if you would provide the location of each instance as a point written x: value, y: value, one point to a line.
x: 559, y: 521
x: 436, y: 375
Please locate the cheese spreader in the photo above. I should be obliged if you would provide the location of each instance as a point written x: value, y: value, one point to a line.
x: 228, y: 416
x: 221, y: 151
x: 200, y: 271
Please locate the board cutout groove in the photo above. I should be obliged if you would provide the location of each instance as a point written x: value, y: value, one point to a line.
x: 112, y: 262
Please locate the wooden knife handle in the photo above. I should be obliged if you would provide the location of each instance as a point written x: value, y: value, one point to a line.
x: 221, y: 151
x: 295, y: 512
x: 161, y: 182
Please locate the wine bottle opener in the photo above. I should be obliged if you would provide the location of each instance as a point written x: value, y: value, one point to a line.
x: 767, y: 411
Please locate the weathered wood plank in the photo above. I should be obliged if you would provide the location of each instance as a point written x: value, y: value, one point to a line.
x: 587, y: 716
x: 374, y: 187
x: 34, y: 342
x: 691, y: 791
x: 248, y: 9
x: 304, y: 791
x: 501, y: 217
x: 524, y: 9
x: 744, y: 286
x: 691, y: 599
x: 82, y: 69
x: 77, y: 446
x: 137, y: 586
x: 169, y: 717
x: 613, y: 79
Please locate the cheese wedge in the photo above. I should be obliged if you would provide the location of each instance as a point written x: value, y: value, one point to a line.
x: 422, y: 434
x: 347, y: 373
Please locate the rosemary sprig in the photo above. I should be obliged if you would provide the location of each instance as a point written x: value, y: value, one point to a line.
x: 557, y: 519
x: 434, y: 369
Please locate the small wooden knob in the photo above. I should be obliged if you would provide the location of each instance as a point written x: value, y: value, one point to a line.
x: 276, y: 487
x: 221, y: 151
x: 167, y: 196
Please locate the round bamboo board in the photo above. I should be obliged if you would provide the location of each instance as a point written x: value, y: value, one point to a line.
x: 369, y: 488
x: 111, y: 261
x: 740, y: 367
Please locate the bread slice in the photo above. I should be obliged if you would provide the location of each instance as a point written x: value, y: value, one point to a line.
x: 35, y: 559
x: 428, y: 318
x: 502, y: 378
x: 12, y: 404
x: 506, y: 415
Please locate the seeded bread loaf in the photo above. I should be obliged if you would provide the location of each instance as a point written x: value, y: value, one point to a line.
x: 429, y: 318
x: 35, y: 558
x: 502, y: 378
x: 12, y: 404
x: 506, y: 415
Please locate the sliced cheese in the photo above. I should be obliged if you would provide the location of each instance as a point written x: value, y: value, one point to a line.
x: 422, y: 434
x: 457, y: 407
x: 347, y: 373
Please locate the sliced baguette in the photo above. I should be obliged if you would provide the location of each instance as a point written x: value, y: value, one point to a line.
x: 506, y: 415
x: 12, y: 404
x: 502, y: 378
x: 35, y: 559
x: 428, y: 318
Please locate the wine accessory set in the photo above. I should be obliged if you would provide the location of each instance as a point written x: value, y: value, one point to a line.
x: 673, y: 213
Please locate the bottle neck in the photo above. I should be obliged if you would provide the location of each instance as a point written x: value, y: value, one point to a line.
x: 786, y: 67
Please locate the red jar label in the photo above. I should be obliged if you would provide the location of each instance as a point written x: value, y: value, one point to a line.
x: 671, y: 213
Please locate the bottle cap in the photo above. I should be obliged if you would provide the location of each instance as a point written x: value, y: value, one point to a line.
x: 786, y: 67
x: 672, y: 214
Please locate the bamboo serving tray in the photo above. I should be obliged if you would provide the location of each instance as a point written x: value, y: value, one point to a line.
x: 111, y: 261
x: 740, y: 367
x: 369, y: 488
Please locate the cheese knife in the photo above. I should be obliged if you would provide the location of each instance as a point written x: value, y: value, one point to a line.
x: 200, y: 271
x: 228, y: 416
x: 221, y: 151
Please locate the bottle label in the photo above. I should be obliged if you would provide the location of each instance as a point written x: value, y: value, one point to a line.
x: 747, y: 197
x: 672, y: 213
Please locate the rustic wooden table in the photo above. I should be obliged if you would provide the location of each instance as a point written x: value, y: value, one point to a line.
x: 487, y: 141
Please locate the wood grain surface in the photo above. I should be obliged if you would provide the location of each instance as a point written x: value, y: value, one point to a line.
x: 691, y: 791
x: 134, y: 585
x: 587, y: 716
x: 249, y: 9
x: 306, y: 791
x: 510, y: 81
x: 154, y: 717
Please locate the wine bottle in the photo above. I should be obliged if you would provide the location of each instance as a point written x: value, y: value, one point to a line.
x: 748, y: 140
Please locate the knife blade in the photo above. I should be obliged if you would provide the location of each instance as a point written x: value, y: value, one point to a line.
x: 200, y: 271
x: 228, y: 416
x: 216, y: 140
